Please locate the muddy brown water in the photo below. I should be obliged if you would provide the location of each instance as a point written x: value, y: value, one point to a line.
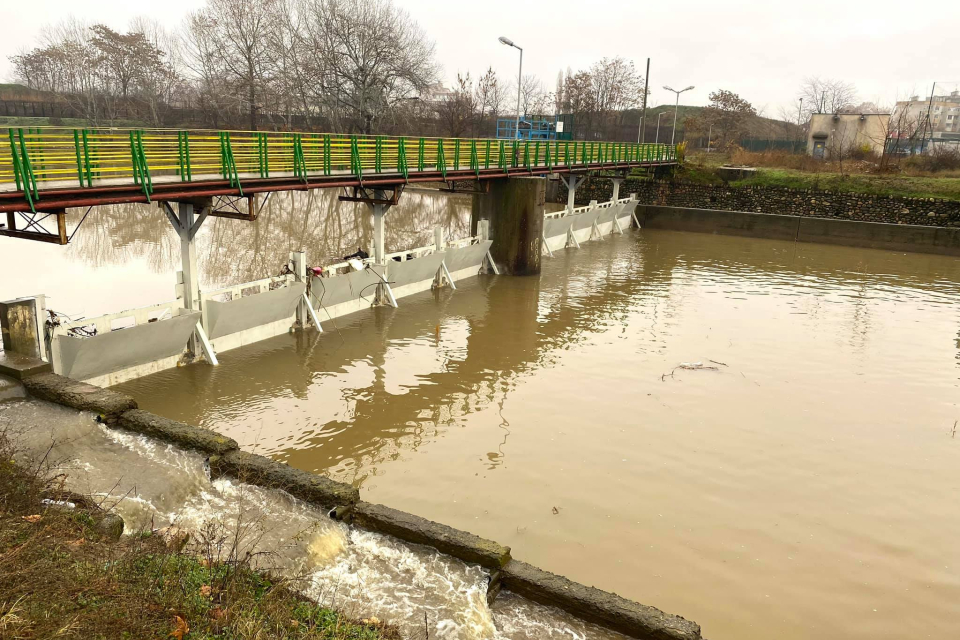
x: 799, y: 483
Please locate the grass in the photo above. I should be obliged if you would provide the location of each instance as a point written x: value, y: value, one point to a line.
x: 60, y: 576
x: 792, y: 171
x: 880, y: 185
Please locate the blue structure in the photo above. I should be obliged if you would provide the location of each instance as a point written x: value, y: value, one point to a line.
x: 531, y: 128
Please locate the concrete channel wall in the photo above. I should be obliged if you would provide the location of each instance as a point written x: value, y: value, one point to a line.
x: 343, y: 502
x: 851, y: 233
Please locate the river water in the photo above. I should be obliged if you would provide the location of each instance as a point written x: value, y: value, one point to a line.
x: 756, y: 435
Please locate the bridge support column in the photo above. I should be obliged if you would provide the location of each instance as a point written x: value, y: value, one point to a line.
x: 572, y: 182
x: 379, y: 231
x: 187, y: 224
x: 616, y: 188
x: 514, y: 209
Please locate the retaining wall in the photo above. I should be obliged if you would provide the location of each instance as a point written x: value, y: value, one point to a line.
x: 873, y: 235
x: 343, y: 501
x: 782, y: 201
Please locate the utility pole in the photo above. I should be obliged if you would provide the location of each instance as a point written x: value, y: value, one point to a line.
x: 676, y: 109
x: 642, y: 136
x: 510, y: 43
x: 923, y: 138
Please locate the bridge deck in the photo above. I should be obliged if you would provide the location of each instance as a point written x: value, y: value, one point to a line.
x: 50, y: 169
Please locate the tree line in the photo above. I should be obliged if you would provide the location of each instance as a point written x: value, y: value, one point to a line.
x: 354, y: 66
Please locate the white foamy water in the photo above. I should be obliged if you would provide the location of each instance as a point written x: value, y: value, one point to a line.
x: 364, y: 574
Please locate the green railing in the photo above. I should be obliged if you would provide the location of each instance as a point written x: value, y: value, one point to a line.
x: 53, y: 157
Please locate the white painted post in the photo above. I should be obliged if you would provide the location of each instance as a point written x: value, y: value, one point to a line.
x: 633, y: 212
x: 483, y: 233
x: 188, y: 266
x: 379, y: 233
x: 616, y: 188
x: 299, y: 261
x: 572, y: 182
x: 438, y: 239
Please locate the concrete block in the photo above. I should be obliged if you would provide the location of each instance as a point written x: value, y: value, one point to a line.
x: 79, y: 395
x: 178, y: 433
x: 593, y: 605
x: 410, y: 528
x: 309, y: 487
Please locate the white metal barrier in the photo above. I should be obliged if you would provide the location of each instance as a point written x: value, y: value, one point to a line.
x: 569, y: 228
x: 251, y: 311
x: 121, y: 346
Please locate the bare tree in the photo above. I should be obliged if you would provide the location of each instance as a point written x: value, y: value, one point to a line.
x: 457, y: 111
x: 826, y: 95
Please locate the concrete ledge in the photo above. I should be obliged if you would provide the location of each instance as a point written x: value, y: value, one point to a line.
x: 309, y: 487
x: 184, y: 435
x: 731, y: 223
x: 600, y: 607
x: 19, y: 366
x: 79, y: 395
x: 411, y: 528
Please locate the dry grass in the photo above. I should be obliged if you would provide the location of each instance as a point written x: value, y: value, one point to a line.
x: 60, y: 577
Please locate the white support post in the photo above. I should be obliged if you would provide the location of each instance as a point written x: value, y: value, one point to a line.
x: 438, y: 239
x: 446, y: 274
x: 596, y: 228
x: 187, y: 223
x: 616, y: 188
x: 298, y: 260
x: 205, y: 345
x: 379, y: 233
x: 483, y: 232
x: 616, y: 225
x: 313, y: 314
x: 633, y: 212
x: 546, y: 246
x: 571, y: 182
x: 572, y: 236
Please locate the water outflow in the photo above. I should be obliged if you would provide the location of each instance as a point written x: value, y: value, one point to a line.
x: 364, y: 574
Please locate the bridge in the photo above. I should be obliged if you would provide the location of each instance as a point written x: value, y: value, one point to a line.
x: 45, y: 171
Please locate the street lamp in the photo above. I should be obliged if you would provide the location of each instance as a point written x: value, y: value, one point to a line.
x: 510, y: 43
x: 659, y: 115
x: 676, y: 108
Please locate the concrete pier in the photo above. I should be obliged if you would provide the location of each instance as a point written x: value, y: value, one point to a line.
x: 514, y: 207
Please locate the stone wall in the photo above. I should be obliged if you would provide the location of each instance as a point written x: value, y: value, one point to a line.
x: 795, y: 202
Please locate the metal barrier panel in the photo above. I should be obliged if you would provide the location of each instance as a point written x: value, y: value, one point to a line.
x: 252, y: 312
x: 412, y: 276
x: 121, y: 350
x: 555, y: 232
x: 345, y: 293
x: 466, y: 261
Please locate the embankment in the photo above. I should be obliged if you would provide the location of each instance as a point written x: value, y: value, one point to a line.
x: 343, y: 502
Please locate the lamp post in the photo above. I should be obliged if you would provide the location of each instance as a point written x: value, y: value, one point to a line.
x: 510, y: 43
x: 676, y: 108
x: 659, y: 115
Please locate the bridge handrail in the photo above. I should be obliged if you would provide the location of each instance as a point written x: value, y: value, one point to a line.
x: 60, y: 157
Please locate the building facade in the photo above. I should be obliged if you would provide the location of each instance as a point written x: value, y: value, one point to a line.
x: 936, y: 119
x: 833, y: 135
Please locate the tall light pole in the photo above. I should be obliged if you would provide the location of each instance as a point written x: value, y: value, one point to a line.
x: 510, y: 43
x: 658, y: 127
x: 676, y: 108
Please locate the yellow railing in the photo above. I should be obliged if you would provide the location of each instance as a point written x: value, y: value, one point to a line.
x: 51, y: 157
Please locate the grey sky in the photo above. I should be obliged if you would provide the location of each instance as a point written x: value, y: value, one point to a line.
x: 761, y: 50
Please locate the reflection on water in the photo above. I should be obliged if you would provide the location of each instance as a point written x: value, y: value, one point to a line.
x: 125, y: 256
x: 804, y: 480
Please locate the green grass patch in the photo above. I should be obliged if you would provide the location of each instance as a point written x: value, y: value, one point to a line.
x: 879, y: 185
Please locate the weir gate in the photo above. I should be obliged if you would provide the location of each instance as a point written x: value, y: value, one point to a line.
x: 51, y: 178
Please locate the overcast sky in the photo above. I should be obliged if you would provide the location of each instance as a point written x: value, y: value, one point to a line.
x: 760, y: 49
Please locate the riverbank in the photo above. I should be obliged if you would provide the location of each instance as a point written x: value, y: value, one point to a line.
x: 66, y: 571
